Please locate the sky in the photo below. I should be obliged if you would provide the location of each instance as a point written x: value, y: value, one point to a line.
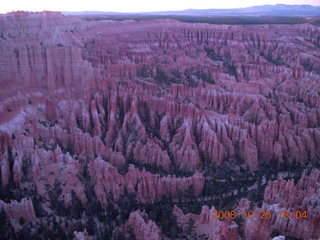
x: 135, y: 5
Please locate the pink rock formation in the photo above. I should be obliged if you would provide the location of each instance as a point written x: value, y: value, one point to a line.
x: 143, y: 229
x: 57, y: 168
x: 257, y: 228
x: 46, y: 169
x: 206, y: 225
x: 82, y: 235
x: 16, y: 210
x: 110, y: 184
x: 281, y: 195
x: 261, y: 107
x: 141, y: 226
x: 19, y: 210
x: 80, y: 99
x: 304, y: 196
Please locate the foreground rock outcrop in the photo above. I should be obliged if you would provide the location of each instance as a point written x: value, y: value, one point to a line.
x: 205, y: 225
x: 294, y: 209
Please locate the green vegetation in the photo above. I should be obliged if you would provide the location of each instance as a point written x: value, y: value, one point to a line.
x: 234, y: 20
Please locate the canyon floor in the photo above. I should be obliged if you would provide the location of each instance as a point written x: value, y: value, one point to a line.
x: 145, y: 129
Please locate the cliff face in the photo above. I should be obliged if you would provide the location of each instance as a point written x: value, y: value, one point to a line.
x: 104, y: 109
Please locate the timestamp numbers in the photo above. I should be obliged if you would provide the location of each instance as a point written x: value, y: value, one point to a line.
x: 262, y: 214
x: 245, y: 214
x: 224, y: 214
x: 286, y: 214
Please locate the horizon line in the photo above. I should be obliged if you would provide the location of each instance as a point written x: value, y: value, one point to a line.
x: 159, y: 11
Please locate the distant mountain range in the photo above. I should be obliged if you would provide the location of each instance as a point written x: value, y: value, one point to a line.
x: 269, y: 10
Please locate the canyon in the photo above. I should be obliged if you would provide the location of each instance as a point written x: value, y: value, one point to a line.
x: 116, y: 129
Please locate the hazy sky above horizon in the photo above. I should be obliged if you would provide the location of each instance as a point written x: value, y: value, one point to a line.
x: 136, y: 5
